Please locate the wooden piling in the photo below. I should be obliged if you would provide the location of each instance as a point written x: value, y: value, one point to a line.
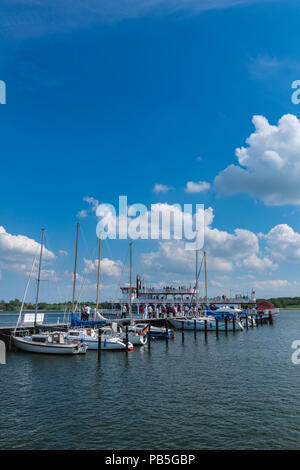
x: 226, y: 324
x: 167, y: 332
x: 195, y: 329
x: 233, y: 324
x: 252, y: 321
x: 246, y: 322
x: 182, y: 331
x: 205, y: 329
x: 217, y: 327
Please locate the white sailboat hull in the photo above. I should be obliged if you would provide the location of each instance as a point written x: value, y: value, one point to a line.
x: 107, y: 345
x: 25, y: 345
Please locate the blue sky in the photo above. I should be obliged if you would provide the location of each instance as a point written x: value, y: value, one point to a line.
x: 112, y: 99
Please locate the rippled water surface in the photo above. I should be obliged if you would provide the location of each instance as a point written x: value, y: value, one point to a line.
x: 237, y: 392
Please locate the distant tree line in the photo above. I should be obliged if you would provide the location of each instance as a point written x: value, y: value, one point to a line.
x: 16, y: 305
x: 283, y: 302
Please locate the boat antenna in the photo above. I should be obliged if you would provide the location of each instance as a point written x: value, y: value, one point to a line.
x: 39, y: 278
x: 75, y: 268
x: 98, y: 278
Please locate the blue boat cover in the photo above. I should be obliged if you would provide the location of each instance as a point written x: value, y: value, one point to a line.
x: 76, y: 322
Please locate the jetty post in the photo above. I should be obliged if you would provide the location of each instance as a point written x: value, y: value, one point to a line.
x: 226, y: 324
x: 205, y: 330
x: 246, y: 321
x: 182, y: 331
x: 217, y: 328
x: 195, y: 329
x: 233, y: 324
x: 252, y: 321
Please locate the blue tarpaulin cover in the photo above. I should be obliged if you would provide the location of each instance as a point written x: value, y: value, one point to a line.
x: 76, y: 322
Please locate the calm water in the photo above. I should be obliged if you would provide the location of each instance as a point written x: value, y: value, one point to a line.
x: 238, y: 392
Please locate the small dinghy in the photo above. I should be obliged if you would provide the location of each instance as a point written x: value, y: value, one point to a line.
x: 49, y: 343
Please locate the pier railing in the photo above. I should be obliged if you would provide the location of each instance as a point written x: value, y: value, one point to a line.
x: 9, y: 319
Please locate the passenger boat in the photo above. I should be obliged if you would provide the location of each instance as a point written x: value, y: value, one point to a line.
x: 49, y: 343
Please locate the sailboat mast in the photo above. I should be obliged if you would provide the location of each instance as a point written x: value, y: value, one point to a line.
x: 206, y: 298
x: 39, y: 278
x: 75, y: 268
x: 130, y: 279
x: 197, y: 279
x: 98, y: 278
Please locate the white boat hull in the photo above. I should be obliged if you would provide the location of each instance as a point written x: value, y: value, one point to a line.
x: 200, y: 325
x: 25, y: 345
x: 108, y: 345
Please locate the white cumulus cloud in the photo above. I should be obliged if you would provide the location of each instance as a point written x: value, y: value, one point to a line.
x: 161, y: 188
x: 108, y: 267
x: 18, y: 251
x: 198, y: 187
x: 269, y: 167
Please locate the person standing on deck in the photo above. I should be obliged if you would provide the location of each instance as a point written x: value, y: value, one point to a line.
x: 124, y: 311
x: 82, y: 313
x: 146, y: 312
x: 87, y: 312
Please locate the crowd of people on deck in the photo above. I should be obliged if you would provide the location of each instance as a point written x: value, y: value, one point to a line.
x: 164, y: 311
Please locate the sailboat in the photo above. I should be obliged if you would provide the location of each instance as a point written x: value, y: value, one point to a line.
x: 99, y: 319
x: 84, y: 331
x: 45, y: 342
x: 136, y: 336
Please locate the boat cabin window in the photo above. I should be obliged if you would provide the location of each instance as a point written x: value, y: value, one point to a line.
x: 74, y: 333
x: 39, y: 339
